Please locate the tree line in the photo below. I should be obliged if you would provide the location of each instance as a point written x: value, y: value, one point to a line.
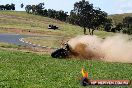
x: 125, y: 26
x: 85, y: 15
x: 7, y: 7
x: 40, y: 10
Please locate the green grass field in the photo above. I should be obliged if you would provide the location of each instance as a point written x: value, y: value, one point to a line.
x: 27, y: 70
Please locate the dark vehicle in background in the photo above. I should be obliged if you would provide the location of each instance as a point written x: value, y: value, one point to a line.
x: 52, y: 27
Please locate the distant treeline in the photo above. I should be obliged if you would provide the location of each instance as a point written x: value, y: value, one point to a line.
x: 125, y: 26
x: 7, y: 7
x: 40, y: 10
x: 85, y: 15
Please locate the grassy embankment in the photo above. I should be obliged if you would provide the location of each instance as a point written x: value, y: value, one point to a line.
x: 118, y: 18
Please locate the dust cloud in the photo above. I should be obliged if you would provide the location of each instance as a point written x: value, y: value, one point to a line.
x: 116, y: 48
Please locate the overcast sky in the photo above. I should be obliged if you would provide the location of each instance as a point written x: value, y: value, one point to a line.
x: 109, y: 6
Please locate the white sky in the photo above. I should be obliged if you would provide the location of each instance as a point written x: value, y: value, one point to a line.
x: 109, y: 6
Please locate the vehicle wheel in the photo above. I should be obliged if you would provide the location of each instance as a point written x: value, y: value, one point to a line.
x: 60, y: 53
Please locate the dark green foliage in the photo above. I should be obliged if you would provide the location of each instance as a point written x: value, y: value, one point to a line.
x: 73, y: 18
x: 100, y: 18
x: 22, y: 5
x: 59, y: 15
x: 45, y: 12
x: 40, y: 10
x: 113, y: 30
x: 28, y: 8
x: 12, y: 6
x: 127, y: 25
x: 35, y: 9
x: 108, y: 27
x: 51, y: 13
x: 82, y: 14
x: 7, y: 7
x: 124, y: 31
x: 127, y: 31
x: 119, y: 27
x: 2, y: 7
x: 127, y: 21
x: 86, y: 16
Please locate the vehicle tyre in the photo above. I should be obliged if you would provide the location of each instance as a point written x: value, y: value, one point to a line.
x: 60, y: 53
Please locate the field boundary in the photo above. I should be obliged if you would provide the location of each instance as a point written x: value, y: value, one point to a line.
x: 35, y: 45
